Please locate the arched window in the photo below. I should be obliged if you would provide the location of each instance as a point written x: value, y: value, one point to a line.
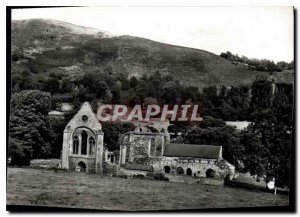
x: 152, y: 147
x: 189, y: 171
x: 83, y: 142
x: 92, y: 146
x: 112, y: 158
x: 75, y: 144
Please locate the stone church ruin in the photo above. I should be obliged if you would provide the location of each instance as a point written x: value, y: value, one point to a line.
x: 142, y: 152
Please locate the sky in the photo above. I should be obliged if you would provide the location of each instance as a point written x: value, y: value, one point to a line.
x: 255, y: 32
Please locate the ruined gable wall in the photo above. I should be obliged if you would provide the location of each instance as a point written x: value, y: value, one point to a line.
x: 140, y: 149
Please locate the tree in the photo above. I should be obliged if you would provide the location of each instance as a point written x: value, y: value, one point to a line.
x: 112, y: 132
x: 133, y: 82
x: 283, y: 104
x: 211, y: 101
x: 58, y: 125
x: 291, y: 65
x: 226, y: 136
x: 171, y: 92
x: 96, y: 83
x: 235, y: 102
x: 268, y: 150
x: 256, y: 154
x: 30, y: 129
x: 190, y: 92
x: 261, y: 93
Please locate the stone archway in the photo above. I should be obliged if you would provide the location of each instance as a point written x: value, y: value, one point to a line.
x: 167, y: 169
x: 189, y: 171
x: 180, y: 171
x: 210, y: 173
x: 81, y: 167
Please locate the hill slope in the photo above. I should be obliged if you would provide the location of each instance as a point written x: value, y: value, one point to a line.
x: 44, y: 46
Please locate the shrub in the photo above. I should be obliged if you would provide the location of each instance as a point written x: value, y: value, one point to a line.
x: 160, y: 177
x: 138, y: 176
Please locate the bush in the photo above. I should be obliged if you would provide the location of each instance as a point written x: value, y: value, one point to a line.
x: 160, y: 177
x: 138, y: 176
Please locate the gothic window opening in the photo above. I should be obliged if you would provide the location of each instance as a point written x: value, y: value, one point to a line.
x: 84, y: 143
x: 112, y: 158
x: 75, y: 145
x: 92, y: 146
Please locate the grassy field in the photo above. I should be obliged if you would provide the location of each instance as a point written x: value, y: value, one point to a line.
x: 69, y: 189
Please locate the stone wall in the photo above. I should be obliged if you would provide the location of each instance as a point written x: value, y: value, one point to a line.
x: 130, y: 173
x: 141, y: 146
x: 197, y: 166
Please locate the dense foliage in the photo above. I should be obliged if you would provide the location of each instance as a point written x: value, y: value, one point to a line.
x: 112, y: 132
x: 29, y: 128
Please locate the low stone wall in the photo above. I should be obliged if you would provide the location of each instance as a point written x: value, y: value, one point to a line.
x: 130, y: 173
x: 109, y: 169
x: 45, y: 163
x: 181, y: 179
x: 211, y: 181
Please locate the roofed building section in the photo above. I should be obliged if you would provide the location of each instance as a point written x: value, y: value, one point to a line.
x: 196, y: 151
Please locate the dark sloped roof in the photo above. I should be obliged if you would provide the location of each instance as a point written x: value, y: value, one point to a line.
x: 142, y: 167
x: 188, y: 150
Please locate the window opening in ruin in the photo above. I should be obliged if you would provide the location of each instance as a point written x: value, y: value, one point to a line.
x: 92, y: 146
x: 84, y: 142
x: 75, y: 145
x: 152, y: 147
x: 112, y: 158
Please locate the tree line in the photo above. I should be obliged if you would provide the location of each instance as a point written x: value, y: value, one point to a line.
x: 259, y: 65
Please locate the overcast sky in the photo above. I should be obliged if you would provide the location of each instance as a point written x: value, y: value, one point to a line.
x: 256, y: 32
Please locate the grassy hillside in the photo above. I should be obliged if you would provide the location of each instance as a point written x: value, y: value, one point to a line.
x: 45, y: 46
